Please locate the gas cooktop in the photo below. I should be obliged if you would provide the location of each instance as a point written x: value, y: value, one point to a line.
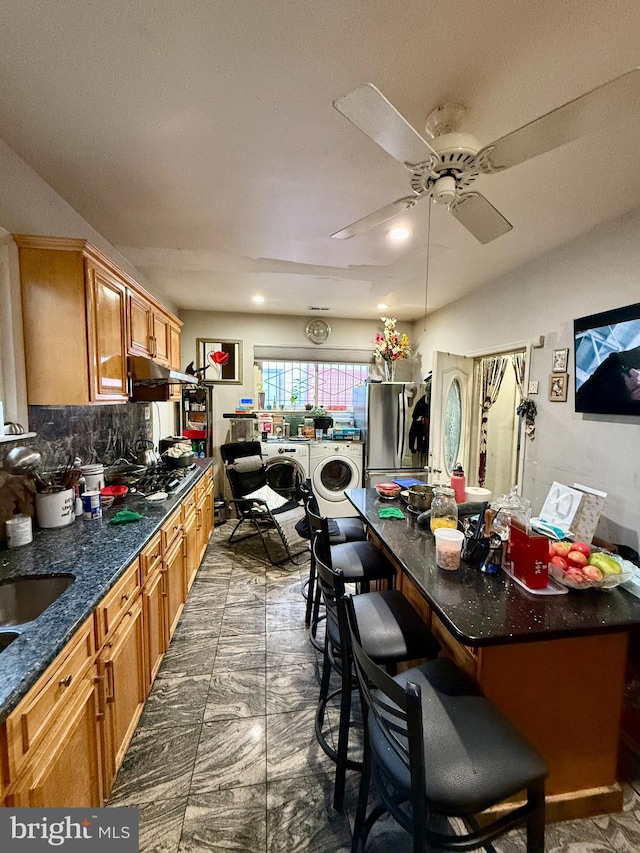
x: 160, y: 478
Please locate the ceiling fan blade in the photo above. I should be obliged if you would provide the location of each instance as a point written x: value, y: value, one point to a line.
x: 373, y: 114
x: 608, y: 105
x: 479, y: 217
x: 378, y: 216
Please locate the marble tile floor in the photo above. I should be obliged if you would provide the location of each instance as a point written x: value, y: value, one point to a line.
x: 225, y: 757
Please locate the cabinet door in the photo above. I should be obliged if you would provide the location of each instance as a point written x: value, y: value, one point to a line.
x: 106, y: 297
x: 191, y: 548
x: 140, y: 317
x: 153, y: 602
x: 65, y: 772
x: 175, y: 361
x: 161, y: 338
x: 121, y: 664
x: 175, y: 585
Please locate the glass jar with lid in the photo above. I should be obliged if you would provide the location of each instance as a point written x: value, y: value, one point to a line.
x: 444, y: 509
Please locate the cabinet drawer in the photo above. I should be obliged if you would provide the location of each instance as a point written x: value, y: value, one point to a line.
x: 150, y: 557
x: 171, y: 529
x: 189, y: 504
x: 117, y: 601
x: 46, y: 700
x: 464, y: 656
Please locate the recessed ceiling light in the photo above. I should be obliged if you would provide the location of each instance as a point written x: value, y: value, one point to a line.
x: 382, y: 307
x: 399, y: 235
x: 257, y: 299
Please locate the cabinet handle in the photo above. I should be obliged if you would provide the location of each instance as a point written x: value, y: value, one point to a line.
x: 108, y: 668
x: 99, y: 680
x: 124, y: 597
x: 66, y: 681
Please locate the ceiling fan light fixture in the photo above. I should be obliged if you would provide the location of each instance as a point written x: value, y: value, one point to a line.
x: 399, y: 235
x: 444, y: 190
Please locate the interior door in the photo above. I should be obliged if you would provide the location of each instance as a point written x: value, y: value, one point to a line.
x: 451, y: 414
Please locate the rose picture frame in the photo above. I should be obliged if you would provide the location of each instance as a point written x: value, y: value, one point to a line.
x: 560, y: 360
x: 558, y: 384
x: 222, y: 360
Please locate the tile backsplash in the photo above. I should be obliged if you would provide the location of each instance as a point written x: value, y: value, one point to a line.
x: 94, y: 433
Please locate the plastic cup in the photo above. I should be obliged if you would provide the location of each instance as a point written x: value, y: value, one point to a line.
x: 448, y: 548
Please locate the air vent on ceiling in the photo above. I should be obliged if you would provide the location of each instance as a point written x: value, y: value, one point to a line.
x: 318, y: 308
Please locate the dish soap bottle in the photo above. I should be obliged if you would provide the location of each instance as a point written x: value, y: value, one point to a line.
x: 459, y: 483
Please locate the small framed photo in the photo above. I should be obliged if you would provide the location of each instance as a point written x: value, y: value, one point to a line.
x: 560, y: 360
x: 558, y: 383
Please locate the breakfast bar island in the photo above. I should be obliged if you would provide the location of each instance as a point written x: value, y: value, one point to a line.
x: 554, y: 664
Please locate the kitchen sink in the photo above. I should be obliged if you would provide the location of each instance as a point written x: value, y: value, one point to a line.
x: 6, y: 638
x: 23, y: 599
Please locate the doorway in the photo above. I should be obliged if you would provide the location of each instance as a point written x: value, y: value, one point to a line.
x: 456, y: 419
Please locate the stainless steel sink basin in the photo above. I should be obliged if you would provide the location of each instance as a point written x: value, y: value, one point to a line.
x: 23, y: 599
x: 6, y: 638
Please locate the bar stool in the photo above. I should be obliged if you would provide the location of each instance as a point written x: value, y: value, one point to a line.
x: 435, y: 743
x: 341, y: 530
x: 392, y: 632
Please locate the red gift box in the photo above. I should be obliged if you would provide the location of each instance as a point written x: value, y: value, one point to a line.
x: 529, y: 556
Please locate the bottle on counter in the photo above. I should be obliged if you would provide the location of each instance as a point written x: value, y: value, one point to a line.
x: 444, y: 509
x: 459, y: 483
x: 79, y: 487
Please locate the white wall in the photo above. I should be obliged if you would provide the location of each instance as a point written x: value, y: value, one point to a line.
x: 592, y: 273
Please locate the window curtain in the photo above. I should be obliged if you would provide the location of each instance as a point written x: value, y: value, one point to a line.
x: 492, y: 373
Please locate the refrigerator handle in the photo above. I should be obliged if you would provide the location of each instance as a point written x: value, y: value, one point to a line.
x: 401, y: 426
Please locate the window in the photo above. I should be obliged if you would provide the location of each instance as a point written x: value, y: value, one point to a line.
x: 299, y: 383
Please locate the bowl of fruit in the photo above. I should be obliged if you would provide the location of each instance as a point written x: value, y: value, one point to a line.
x: 577, y: 565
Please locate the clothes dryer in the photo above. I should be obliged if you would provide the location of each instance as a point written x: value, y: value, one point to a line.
x: 334, y: 467
x: 287, y: 465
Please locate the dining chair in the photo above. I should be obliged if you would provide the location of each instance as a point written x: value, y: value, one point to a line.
x: 438, y: 750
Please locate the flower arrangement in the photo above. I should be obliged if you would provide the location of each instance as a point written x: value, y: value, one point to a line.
x: 390, y: 345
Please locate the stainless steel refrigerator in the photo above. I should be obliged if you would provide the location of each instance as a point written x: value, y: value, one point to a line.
x: 383, y: 413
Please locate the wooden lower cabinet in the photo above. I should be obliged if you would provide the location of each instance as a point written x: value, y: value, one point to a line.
x: 122, y: 672
x: 65, y: 771
x: 65, y: 741
x: 175, y: 590
x: 191, y: 547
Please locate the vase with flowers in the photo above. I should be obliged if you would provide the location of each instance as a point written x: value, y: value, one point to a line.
x: 391, y: 346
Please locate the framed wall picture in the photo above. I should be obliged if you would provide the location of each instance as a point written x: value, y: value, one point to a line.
x: 560, y: 360
x: 222, y: 360
x: 558, y: 383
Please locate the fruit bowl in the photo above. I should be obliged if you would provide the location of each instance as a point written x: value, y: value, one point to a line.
x: 627, y: 571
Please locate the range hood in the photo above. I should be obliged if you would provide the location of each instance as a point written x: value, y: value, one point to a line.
x: 150, y: 381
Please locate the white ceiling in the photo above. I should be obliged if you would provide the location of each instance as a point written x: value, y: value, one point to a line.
x: 199, y: 136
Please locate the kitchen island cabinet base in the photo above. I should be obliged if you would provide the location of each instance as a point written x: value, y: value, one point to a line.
x: 564, y: 695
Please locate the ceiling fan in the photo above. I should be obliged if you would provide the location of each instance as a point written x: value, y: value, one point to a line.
x: 446, y: 167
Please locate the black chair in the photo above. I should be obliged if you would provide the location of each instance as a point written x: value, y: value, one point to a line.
x: 257, y: 505
x: 392, y: 632
x: 341, y: 530
x: 438, y: 749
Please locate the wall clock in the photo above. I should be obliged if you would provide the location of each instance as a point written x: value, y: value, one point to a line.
x: 317, y: 331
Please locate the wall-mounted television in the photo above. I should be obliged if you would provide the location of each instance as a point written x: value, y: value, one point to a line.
x: 607, y: 361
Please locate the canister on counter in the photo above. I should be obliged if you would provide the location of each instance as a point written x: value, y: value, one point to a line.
x: 19, y: 530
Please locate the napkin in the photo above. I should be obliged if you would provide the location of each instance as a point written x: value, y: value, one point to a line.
x: 124, y: 516
x: 390, y: 512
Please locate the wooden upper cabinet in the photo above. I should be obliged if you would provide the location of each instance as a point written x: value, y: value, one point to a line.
x: 140, y: 315
x: 106, y: 322
x: 74, y: 317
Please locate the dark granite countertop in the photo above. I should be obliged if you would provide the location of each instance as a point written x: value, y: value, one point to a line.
x: 96, y: 554
x: 486, y: 610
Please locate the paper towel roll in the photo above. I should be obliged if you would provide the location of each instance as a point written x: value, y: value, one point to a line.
x: 477, y: 494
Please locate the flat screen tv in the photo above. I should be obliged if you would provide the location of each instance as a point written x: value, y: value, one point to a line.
x: 607, y: 354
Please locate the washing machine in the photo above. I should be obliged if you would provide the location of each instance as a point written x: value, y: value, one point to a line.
x: 333, y: 467
x: 287, y: 464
